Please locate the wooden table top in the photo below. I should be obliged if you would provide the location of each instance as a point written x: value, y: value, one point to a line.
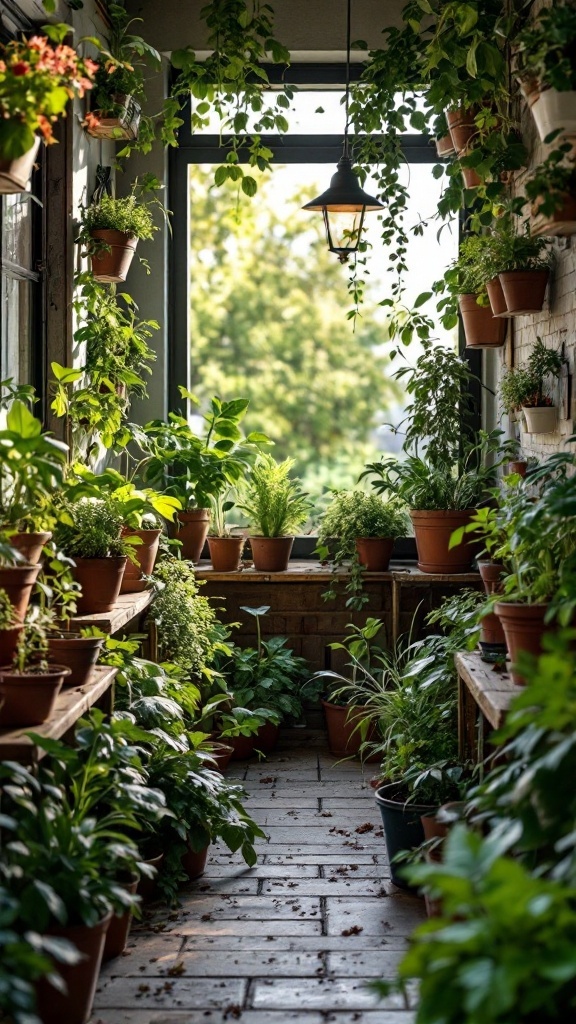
x: 309, y: 569
x: 127, y: 607
x: 492, y: 689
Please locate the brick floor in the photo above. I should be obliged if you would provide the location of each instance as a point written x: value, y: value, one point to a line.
x: 272, y: 944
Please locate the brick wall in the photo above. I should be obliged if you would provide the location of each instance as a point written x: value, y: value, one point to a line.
x: 555, y: 325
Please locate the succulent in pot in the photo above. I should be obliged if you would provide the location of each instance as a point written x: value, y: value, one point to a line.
x: 275, y: 506
x: 361, y: 528
x: 30, y: 686
x: 545, y: 66
x: 111, y: 228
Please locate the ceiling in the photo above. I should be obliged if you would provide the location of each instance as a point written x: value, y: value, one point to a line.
x: 311, y: 29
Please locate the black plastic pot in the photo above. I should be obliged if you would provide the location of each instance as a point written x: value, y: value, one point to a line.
x: 402, y: 826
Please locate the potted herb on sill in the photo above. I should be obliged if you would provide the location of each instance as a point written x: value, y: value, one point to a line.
x: 30, y: 686
x: 111, y: 228
x: 89, y: 531
x: 545, y: 67
x: 224, y: 546
x: 37, y: 81
x: 360, y: 528
x: 275, y: 506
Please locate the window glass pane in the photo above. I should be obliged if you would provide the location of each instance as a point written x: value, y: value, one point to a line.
x: 16, y: 325
x: 17, y: 230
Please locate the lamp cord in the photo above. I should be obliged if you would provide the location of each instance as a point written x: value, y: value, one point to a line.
x: 348, y: 45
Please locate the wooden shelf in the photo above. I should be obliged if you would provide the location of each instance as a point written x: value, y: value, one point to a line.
x: 71, y: 704
x: 300, y: 570
x: 491, y: 688
x: 127, y: 608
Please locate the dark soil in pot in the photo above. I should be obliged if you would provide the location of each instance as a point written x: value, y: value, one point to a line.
x: 100, y: 579
x: 78, y: 653
x: 402, y: 825
x: 29, y: 698
x: 75, y: 1005
x: 192, y: 530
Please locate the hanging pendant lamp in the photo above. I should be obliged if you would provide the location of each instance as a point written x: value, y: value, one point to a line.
x: 344, y: 204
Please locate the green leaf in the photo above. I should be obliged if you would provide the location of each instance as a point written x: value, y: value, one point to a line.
x: 21, y: 421
x: 249, y: 185
x: 422, y: 298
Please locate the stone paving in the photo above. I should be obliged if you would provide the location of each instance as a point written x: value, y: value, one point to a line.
x: 293, y: 940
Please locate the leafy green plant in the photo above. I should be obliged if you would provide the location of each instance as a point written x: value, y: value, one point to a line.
x: 551, y: 182
x: 508, y: 250
x: 189, y: 633
x: 31, y: 655
x: 546, y: 46
x: 269, y: 677
x: 31, y: 469
x: 273, y: 502
x: 91, y: 528
x: 132, y: 215
x: 529, y: 386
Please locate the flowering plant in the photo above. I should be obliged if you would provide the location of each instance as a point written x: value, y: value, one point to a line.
x: 36, y: 81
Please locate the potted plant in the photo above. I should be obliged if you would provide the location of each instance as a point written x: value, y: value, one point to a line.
x: 186, y: 622
x: 30, y: 685
x: 194, y: 468
x: 111, y: 228
x: 521, y: 264
x: 37, y: 80
x: 275, y: 506
x: 528, y: 389
x: 545, y: 67
x: 90, y: 531
x: 444, y: 144
x: 360, y: 528
x: 119, y: 84
x: 486, y: 524
x: 466, y: 278
x: 224, y: 546
x: 551, y: 190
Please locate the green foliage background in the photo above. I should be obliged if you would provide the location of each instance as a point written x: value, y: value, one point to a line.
x: 268, y: 322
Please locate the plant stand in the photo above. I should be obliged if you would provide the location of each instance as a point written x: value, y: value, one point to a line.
x: 484, y: 696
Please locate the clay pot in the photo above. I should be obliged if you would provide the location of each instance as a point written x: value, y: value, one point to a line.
x: 192, y: 529
x: 492, y: 633
x: 194, y: 863
x: 226, y: 553
x: 482, y: 329
x: 78, y: 653
x: 267, y: 737
x: 145, y: 554
x: 519, y: 467
x: 491, y: 574
x: 461, y: 126
x: 100, y: 579
x: 30, y: 545
x: 74, y: 1006
x: 433, y: 531
x: 524, y: 290
x: 29, y: 698
x: 111, y: 264
x: 553, y: 110
x: 271, y: 554
x: 524, y: 628
x: 147, y: 887
x: 344, y: 738
x: 243, y: 747
x: 15, y: 174
x: 496, y: 296
x: 541, y: 421
x: 119, y: 927
x: 445, y: 146
x: 8, y: 643
x: 221, y: 754
x: 18, y: 581
x: 374, y: 553
x: 471, y: 177
x: 561, y: 222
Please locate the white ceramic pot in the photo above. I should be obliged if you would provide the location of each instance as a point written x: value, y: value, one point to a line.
x: 541, y: 421
x: 553, y: 110
x: 15, y: 174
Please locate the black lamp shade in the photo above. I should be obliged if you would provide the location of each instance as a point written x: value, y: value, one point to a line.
x: 347, y: 202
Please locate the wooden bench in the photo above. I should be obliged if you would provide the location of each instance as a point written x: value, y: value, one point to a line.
x: 485, y: 693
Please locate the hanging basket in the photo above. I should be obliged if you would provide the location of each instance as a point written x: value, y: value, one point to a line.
x: 524, y: 290
x: 541, y: 421
x: 482, y: 329
x: 461, y: 126
x: 111, y: 262
x: 496, y: 296
x: 15, y: 174
x: 121, y: 126
x: 561, y: 222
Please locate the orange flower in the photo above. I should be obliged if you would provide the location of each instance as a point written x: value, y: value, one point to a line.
x: 91, y: 121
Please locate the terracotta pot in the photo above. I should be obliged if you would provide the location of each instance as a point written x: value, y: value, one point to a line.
x: 433, y: 531
x: 147, y: 887
x: 29, y: 699
x: 30, y: 545
x: 78, y: 653
x: 344, y: 738
x: 119, y: 927
x: 225, y: 553
x: 491, y: 574
x: 519, y: 467
x: 271, y: 554
x: 221, y: 754
x: 553, y: 110
x: 8, y: 643
x: 145, y: 554
x: 374, y: 552
x: 15, y: 174
x: 111, y: 264
x: 192, y: 532
x: 471, y: 177
x: 461, y: 126
x: 100, y: 579
x: 243, y: 747
x: 18, y: 581
x: 445, y: 146
x: 194, y: 864
x: 267, y: 737
x: 541, y: 421
x: 524, y: 290
x: 482, y: 329
x: 561, y: 222
x: 496, y: 296
x: 524, y: 628
x: 491, y: 631
x: 75, y: 1005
